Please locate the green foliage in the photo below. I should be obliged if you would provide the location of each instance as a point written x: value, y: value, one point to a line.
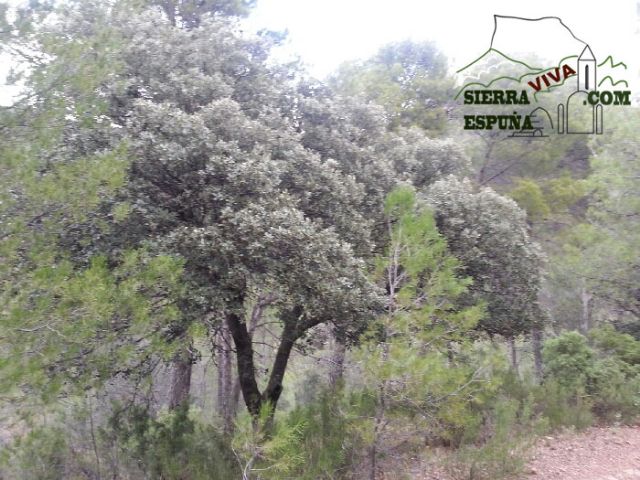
x: 564, y: 406
x: 605, y: 378
x: 597, y: 258
x: 86, y: 324
x: 191, y: 13
x: 329, y: 438
x: 182, y: 157
x: 616, y: 390
x: 616, y: 375
x: 568, y: 359
x: 39, y: 455
x: 173, y: 446
x: 162, y: 174
x: 130, y: 444
x: 620, y: 346
x: 563, y: 192
x: 273, y: 450
x: 409, y: 355
x: 408, y: 79
x: 323, y: 439
x: 503, y: 454
x: 528, y: 194
x: 488, y: 233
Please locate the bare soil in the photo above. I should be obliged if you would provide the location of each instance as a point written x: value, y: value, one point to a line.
x: 611, y: 453
x: 598, y: 453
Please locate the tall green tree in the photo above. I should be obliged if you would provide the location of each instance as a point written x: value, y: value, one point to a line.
x: 597, y: 269
x: 408, y: 349
x: 212, y: 174
x: 489, y: 234
x: 409, y: 79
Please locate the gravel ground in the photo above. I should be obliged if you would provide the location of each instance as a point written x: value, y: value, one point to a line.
x: 611, y: 453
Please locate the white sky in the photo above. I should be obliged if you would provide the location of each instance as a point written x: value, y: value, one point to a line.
x: 327, y: 32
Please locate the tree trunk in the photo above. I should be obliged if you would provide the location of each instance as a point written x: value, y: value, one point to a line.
x: 274, y: 387
x: 585, y: 323
x: 336, y: 367
x: 485, y: 164
x: 169, y: 8
x: 235, y: 397
x: 536, y: 343
x: 181, y: 378
x: 253, y: 399
x: 514, y: 354
x: 244, y: 359
x: 225, y: 382
x: 229, y: 384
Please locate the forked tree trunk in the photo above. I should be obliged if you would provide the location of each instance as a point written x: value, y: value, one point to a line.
x: 169, y: 8
x: 180, y: 378
x: 253, y: 398
x: 229, y: 386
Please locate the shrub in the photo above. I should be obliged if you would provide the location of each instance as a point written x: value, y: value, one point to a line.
x: 604, y: 379
x: 615, y: 390
x: 39, y: 455
x: 564, y: 406
x: 171, y: 447
x: 619, y: 345
x: 319, y: 440
x: 568, y: 359
x: 502, y: 454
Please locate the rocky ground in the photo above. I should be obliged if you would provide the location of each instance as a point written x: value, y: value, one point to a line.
x: 611, y: 453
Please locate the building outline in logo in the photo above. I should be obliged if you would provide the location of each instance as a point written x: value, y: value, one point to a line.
x: 586, y: 82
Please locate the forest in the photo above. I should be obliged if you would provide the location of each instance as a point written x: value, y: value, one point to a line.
x: 215, y: 266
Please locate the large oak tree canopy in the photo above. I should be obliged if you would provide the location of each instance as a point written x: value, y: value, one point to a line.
x: 256, y: 180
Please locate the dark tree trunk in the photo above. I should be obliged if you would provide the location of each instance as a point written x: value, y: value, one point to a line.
x: 253, y: 399
x: 235, y: 397
x: 180, y: 378
x: 229, y: 386
x: 274, y: 387
x: 536, y: 342
x: 246, y: 367
x: 485, y: 164
x: 169, y: 8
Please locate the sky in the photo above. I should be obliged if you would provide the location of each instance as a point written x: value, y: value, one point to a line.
x: 328, y: 32
x: 325, y: 33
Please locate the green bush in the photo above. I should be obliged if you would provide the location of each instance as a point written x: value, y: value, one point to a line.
x: 501, y: 450
x: 325, y: 437
x: 171, y: 447
x: 568, y: 359
x: 564, y: 406
x: 603, y: 378
x: 616, y: 393
x: 331, y: 440
x: 619, y: 345
x: 39, y: 455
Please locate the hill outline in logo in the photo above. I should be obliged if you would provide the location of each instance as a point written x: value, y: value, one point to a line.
x: 506, y: 24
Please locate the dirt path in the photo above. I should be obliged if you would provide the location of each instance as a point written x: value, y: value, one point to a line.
x: 611, y: 453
